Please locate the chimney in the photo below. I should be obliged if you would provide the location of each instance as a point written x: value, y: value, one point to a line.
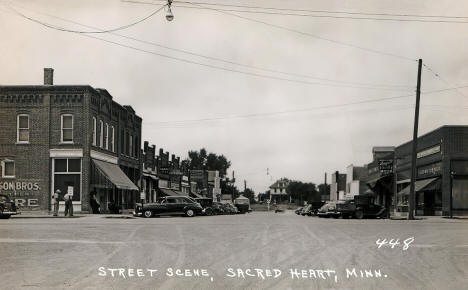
x: 48, y: 76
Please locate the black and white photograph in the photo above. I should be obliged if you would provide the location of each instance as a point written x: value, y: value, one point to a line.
x: 234, y: 144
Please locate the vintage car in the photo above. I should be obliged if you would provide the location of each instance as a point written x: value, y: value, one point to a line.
x: 169, y: 205
x: 328, y: 210
x: 361, y: 206
x: 230, y: 208
x: 243, y: 205
x: 298, y: 211
x: 306, y: 210
x: 218, y: 208
x: 7, y: 207
x: 207, y: 204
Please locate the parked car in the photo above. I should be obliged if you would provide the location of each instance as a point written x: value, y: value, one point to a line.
x: 327, y: 210
x: 359, y: 207
x: 207, y: 204
x: 298, y: 210
x: 7, y: 207
x: 230, y: 209
x: 169, y: 205
x: 218, y: 208
x: 306, y: 210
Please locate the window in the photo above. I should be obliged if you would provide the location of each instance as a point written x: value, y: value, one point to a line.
x: 130, y: 146
x: 8, y: 169
x: 94, y: 131
x: 101, y: 135
x: 112, y: 139
x: 106, y: 137
x: 67, y: 173
x: 67, y: 128
x: 23, y: 128
x: 136, y: 147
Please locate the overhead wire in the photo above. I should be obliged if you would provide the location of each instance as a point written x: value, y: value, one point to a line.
x: 375, y: 51
x: 228, y: 69
x: 87, y: 32
x: 228, y: 61
x: 308, y: 10
x: 268, y: 114
x: 437, y: 75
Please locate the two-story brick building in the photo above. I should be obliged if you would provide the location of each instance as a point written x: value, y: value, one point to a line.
x: 75, y: 138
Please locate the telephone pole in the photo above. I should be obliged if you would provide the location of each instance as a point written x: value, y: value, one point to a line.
x: 411, y: 205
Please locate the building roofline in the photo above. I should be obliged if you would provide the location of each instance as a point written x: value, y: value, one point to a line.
x: 432, y: 131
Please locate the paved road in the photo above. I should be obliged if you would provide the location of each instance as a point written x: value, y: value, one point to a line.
x: 43, y: 253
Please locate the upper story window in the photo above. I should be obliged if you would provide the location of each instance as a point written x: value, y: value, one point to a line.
x: 8, y: 169
x: 94, y: 131
x: 106, y: 137
x: 130, y: 140
x: 67, y: 128
x: 112, y: 147
x: 22, y: 128
x: 101, y: 133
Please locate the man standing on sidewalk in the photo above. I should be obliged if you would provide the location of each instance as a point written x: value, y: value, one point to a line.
x: 55, y: 201
x: 68, y: 204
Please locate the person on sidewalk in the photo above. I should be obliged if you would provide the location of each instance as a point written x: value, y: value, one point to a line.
x: 68, y: 204
x: 55, y: 201
x: 94, y: 203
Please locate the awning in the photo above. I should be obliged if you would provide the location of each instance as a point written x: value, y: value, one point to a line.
x: 150, y: 176
x: 419, y: 185
x: 115, y: 175
x: 373, y: 182
x: 169, y: 192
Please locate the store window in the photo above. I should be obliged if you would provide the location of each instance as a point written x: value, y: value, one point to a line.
x: 23, y: 128
x: 8, y: 169
x: 94, y: 131
x: 67, y: 175
x: 67, y: 128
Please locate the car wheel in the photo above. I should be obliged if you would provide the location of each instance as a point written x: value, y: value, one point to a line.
x: 359, y: 214
x: 209, y: 212
x: 148, y: 214
x: 190, y: 213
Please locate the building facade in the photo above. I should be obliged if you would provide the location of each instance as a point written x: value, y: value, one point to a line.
x: 338, y: 186
x: 72, y: 138
x: 356, y: 177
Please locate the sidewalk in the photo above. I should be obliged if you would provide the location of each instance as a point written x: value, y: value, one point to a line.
x: 47, y: 214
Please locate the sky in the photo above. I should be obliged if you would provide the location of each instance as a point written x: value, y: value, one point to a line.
x: 189, y: 102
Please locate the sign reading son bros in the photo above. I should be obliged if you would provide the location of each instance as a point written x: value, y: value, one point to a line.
x: 25, y: 193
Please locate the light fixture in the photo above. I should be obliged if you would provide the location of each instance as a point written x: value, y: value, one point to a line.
x: 169, y: 15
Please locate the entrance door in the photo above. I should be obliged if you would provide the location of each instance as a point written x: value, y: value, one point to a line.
x: 429, y: 203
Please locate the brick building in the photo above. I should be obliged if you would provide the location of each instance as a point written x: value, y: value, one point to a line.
x: 441, y: 172
x: 68, y: 137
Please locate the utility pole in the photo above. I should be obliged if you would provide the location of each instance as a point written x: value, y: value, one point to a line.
x: 325, y: 189
x: 411, y: 206
x: 245, y: 185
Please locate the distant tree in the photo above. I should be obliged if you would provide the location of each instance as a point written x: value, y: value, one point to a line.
x: 204, y: 161
x: 301, y: 191
x: 250, y: 194
x: 323, y: 190
x: 227, y: 188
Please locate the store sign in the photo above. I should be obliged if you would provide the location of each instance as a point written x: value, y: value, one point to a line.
x: 19, y: 186
x: 385, y: 167
x: 429, y: 151
x: 31, y: 202
x: 430, y: 170
x: 196, y: 175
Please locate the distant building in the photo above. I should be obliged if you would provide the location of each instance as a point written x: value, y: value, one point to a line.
x: 278, y: 190
x: 356, y: 177
x: 338, y: 186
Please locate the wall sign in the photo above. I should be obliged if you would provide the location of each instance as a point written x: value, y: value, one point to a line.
x: 19, y: 186
x: 430, y: 170
x: 429, y: 151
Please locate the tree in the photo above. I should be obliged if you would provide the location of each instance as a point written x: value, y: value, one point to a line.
x: 203, y: 161
x: 301, y: 191
x: 250, y: 194
x: 324, y: 190
x: 227, y: 188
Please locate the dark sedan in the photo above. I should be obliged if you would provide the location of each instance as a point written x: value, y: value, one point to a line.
x: 169, y: 205
x: 7, y: 207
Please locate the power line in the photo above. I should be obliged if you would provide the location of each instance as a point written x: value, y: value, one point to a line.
x: 227, y: 69
x: 309, y: 34
x: 87, y: 32
x: 444, y: 81
x: 224, y: 60
x: 308, y: 10
x: 326, y: 16
x: 246, y: 116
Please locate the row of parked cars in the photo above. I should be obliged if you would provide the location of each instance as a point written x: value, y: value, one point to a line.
x: 361, y: 206
x: 187, y: 206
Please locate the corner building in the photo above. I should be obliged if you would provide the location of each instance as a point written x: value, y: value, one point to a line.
x: 69, y: 137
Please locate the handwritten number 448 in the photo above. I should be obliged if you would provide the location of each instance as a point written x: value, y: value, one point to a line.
x: 392, y: 243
